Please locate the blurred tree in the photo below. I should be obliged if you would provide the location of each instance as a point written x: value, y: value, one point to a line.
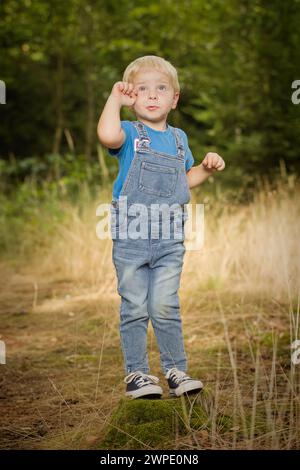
x: 236, y: 61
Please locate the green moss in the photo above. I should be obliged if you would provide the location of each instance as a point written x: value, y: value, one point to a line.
x: 140, y: 424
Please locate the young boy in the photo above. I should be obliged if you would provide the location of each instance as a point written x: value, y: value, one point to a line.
x: 155, y: 168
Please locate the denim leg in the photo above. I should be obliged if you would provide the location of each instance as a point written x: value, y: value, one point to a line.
x: 163, y: 303
x: 133, y: 281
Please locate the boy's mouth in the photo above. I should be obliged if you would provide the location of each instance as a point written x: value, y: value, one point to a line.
x: 152, y: 108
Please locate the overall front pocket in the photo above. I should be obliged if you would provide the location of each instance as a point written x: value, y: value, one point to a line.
x: 156, y: 179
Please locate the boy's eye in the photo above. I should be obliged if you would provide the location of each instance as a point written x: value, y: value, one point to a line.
x: 160, y: 87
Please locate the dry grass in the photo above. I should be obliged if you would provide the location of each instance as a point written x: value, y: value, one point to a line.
x: 240, y: 310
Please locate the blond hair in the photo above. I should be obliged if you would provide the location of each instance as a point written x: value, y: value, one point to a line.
x: 154, y: 62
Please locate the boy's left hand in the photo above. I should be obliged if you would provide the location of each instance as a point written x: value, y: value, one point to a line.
x: 213, y: 161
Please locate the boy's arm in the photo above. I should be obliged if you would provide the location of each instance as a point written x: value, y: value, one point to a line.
x: 198, y: 174
x: 109, y: 128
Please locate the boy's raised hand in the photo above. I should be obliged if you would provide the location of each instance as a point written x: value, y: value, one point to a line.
x: 125, y: 93
x: 213, y: 161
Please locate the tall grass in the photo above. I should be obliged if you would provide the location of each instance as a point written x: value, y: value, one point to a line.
x: 251, y: 246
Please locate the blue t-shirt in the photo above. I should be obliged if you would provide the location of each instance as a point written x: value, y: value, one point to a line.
x: 161, y: 141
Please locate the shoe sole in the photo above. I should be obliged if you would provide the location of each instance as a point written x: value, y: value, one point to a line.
x: 187, y: 389
x: 149, y: 392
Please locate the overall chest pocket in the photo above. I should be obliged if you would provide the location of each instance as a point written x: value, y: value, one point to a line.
x: 156, y: 179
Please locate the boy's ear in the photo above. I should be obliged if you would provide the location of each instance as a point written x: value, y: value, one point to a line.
x: 175, y: 99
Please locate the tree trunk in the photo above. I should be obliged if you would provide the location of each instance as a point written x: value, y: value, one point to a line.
x: 90, y: 129
x: 58, y: 106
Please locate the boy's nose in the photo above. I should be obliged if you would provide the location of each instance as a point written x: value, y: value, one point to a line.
x: 152, y: 94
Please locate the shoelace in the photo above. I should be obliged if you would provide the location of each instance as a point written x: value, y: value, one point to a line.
x: 178, y: 376
x: 142, y: 379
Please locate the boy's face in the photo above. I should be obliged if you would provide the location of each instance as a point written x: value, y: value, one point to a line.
x: 155, y: 95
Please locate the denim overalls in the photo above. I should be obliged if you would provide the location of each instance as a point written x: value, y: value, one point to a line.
x: 149, y: 270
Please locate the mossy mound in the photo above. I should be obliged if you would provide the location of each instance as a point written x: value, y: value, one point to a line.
x: 140, y: 424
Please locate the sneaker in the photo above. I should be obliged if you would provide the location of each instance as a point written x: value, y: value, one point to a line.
x: 180, y: 383
x: 140, y: 385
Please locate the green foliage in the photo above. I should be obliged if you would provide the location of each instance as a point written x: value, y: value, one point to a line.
x: 67, y: 171
x: 138, y: 424
x: 236, y: 62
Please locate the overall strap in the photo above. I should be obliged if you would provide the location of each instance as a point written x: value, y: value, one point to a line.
x: 179, y: 142
x: 144, y: 139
